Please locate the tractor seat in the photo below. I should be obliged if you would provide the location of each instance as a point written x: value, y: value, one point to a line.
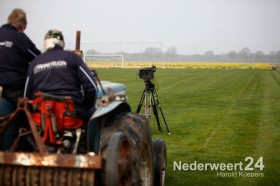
x: 48, y: 96
x: 54, y: 114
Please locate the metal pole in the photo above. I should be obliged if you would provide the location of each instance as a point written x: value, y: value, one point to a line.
x: 78, y: 40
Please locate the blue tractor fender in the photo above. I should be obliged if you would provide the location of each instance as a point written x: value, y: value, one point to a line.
x: 114, y: 98
x: 117, y: 88
x: 112, y: 102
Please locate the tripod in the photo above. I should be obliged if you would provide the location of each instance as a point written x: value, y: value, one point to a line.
x: 150, y: 99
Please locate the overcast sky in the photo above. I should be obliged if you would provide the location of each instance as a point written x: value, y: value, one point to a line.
x: 192, y: 26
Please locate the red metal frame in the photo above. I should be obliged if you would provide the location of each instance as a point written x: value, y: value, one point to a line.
x: 54, y: 116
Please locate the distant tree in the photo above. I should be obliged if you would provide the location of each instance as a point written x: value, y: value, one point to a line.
x: 277, y: 55
x: 271, y: 56
x: 92, y: 51
x: 152, y: 53
x: 259, y: 55
x: 245, y: 53
x: 171, y: 53
x: 232, y: 55
x: 272, y: 53
x: 208, y: 55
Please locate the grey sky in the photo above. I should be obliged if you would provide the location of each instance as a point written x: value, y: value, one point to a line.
x: 192, y: 26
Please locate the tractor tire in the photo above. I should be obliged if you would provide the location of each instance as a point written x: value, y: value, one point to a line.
x: 146, y: 166
x: 137, y: 131
x: 118, y: 168
x: 160, y: 163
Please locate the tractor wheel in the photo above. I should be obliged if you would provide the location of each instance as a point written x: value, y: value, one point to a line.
x: 146, y: 166
x: 118, y: 161
x: 137, y: 130
x: 137, y: 134
x: 160, y: 163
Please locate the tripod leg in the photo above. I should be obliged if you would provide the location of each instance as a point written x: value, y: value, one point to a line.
x: 146, y: 98
x: 167, y: 128
x: 141, y: 102
x: 155, y: 111
x: 148, y: 104
x: 158, y: 104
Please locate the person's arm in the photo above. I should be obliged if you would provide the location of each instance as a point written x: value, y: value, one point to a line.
x: 30, y: 48
x: 88, y: 82
x: 28, y: 89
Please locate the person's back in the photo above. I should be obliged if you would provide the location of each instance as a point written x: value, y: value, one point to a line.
x: 16, y: 52
x: 62, y: 73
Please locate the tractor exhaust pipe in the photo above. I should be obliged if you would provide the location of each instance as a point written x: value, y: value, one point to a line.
x: 78, y: 40
x: 80, y: 53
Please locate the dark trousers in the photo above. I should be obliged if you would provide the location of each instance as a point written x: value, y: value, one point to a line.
x: 8, y: 104
x: 12, y: 95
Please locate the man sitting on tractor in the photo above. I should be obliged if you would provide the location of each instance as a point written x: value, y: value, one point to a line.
x: 16, y: 52
x: 62, y: 73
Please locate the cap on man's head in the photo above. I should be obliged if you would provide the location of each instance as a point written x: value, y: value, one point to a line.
x: 54, y: 34
x: 52, y: 38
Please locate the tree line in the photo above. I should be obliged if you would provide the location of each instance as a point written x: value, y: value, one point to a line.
x: 171, y: 54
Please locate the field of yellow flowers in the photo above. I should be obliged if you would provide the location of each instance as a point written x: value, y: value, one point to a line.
x: 180, y: 65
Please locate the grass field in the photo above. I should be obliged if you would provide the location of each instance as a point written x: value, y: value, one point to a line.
x: 215, y: 116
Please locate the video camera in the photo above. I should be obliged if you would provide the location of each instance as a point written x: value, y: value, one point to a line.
x: 147, y: 73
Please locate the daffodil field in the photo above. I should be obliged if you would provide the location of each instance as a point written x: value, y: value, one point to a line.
x: 180, y: 65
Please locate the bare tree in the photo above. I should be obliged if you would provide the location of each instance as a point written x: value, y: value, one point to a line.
x: 209, y: 55
x: 259, y: 55
x: 245, y: 53
x: 232, y: 55
x: 92, y: 51
x: 152, y: 53
x: 171, y: 53
x: 277, y: 55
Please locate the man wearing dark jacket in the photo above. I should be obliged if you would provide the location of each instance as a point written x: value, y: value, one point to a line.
x: 16, y: 52
x: 62, y: 73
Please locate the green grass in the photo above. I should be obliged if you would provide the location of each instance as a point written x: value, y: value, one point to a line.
x: 214, y: 116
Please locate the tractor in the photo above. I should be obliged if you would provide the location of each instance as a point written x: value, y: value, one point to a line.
x: 53, y: 147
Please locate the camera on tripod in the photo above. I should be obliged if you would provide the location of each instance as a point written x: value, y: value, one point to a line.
x: 147, y: 73
x: 149, y: 97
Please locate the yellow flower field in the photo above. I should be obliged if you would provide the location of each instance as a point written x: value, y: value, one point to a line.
x: 180, y: 65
